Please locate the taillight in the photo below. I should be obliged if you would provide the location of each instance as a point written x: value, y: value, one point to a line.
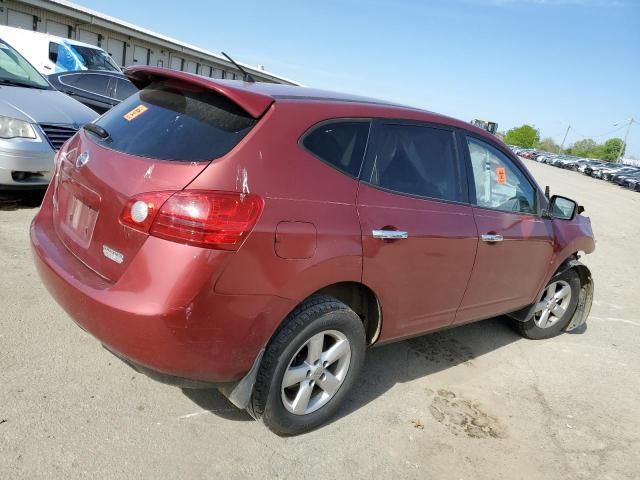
x: 140, y: 210
x: 220, y: 220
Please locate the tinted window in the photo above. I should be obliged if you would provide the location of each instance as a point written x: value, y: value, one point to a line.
x: 124, y: 89
x: 53, y: 52
x: 93, y: 83
x: 417, y: 160
x: 168, y: 122
x: 70, y: 80
x: 340, y: 143
x: 499, y: 184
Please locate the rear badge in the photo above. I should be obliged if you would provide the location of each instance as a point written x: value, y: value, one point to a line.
x: 82, y: 159
x: 111, y: 254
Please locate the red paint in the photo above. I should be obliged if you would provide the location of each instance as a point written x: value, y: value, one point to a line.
x: 205, y: 313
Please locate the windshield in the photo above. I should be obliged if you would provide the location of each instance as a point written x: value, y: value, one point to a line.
x: 15, y: 70
x: 94, y: 58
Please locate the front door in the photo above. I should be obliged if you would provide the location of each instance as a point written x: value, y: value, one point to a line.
x: 516, y: 243
x: 418, y: 233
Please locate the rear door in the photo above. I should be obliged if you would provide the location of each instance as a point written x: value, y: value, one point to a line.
x: 516, y: 243
x: 94, y: 90
x: 160, y: 139
x: 418, y: 233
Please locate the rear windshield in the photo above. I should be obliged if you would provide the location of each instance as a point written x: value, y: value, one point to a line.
x: 170, y: 121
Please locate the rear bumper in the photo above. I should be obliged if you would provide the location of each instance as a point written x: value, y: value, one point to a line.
x: 175, y: 326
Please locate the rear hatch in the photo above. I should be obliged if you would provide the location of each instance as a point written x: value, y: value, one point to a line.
x: 159, y: 139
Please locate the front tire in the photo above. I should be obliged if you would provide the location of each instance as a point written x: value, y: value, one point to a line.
x: 309, y: 366
x: 554, y: 308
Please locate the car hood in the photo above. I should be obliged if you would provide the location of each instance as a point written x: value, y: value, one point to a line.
x: 43, y: 106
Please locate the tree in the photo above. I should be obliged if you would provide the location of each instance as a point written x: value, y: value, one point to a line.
x: 583, y: 148
x: 611, y: 149
x: 525, y: 136
x: 548, y: 145
x: 608, y: 150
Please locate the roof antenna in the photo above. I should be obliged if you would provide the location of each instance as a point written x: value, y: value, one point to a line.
x: 247, y: 76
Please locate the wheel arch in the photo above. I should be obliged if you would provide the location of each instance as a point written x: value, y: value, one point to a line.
x: 362, y: 300
x: 586, y: 292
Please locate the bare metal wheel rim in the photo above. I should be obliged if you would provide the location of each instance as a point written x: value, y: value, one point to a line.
x: 553, y: 304
x: 316, y: 372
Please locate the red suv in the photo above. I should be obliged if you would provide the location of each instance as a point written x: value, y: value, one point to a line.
x: 259, y: 237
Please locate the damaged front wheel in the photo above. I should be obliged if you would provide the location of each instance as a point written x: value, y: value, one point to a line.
x: 555, y: 307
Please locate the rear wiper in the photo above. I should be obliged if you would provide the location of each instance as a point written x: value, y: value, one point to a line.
x: 97, y: 130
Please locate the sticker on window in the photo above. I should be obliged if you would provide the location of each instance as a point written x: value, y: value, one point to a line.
x: 501, y: 175
x: 136, y: 112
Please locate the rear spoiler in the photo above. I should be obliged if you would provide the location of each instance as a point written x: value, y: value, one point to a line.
x: 254, y: 103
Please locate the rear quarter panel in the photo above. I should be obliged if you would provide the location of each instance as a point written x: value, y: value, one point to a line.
x: 297, y: 187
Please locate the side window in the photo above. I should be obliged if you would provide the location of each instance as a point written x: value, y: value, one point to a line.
x: 499, y: 184
x: 124, y: 89
x: 417, y: 160
x: 53, y: 52
x: 341, y: 143
x: 94, y: 83
x: 71, y: 80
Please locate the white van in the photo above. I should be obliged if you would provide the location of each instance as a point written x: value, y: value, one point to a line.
x: 50, y: 54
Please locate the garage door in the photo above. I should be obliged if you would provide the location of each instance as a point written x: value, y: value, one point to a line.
x: 176, y: 63
x: 115, y: 48
x: 20, y: 20
x: 205, y: 70
x: 58, y: 29
x: 140, y: 55
x: 88, y: 37
x: 191, y: 67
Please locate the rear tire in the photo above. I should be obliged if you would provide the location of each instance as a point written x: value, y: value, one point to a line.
x: 303, y: 379
x: 555, y: 307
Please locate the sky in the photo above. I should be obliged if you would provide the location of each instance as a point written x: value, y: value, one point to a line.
x: 550, y: 63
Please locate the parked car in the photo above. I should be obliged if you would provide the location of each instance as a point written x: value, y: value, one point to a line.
x: 35, y: 120
x: 587, y: 166
x: 96, y: 89
x: 621, y: 177
x: 605, y: 169
x: 259, y: 237
x: 620, y: 169
x: 633, y: 183
x: 593, y: 169
x: 51, y: 54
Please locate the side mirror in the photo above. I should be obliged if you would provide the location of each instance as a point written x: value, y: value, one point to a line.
x: 563, y: 208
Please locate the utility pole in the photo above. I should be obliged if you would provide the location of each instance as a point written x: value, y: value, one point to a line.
x: 565, y: 137
x: 624, y: 142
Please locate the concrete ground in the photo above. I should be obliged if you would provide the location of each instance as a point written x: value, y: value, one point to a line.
x: 476, y: 402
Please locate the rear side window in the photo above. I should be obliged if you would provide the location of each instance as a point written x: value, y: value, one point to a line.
x: 340, y: 143
x: 94, y: 83
x: 417, y: 160
x: 70, y: 80
x: 124, y: 89
x: 170, y: 121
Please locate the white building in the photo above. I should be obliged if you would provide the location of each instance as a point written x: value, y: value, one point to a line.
x: 126, y: 43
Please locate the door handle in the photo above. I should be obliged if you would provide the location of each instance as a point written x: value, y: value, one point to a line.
x: 491, y: 237
x: 389, y: 234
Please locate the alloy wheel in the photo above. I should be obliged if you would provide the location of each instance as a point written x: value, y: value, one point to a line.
x: 553, y: 304
x: 316, y: 372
